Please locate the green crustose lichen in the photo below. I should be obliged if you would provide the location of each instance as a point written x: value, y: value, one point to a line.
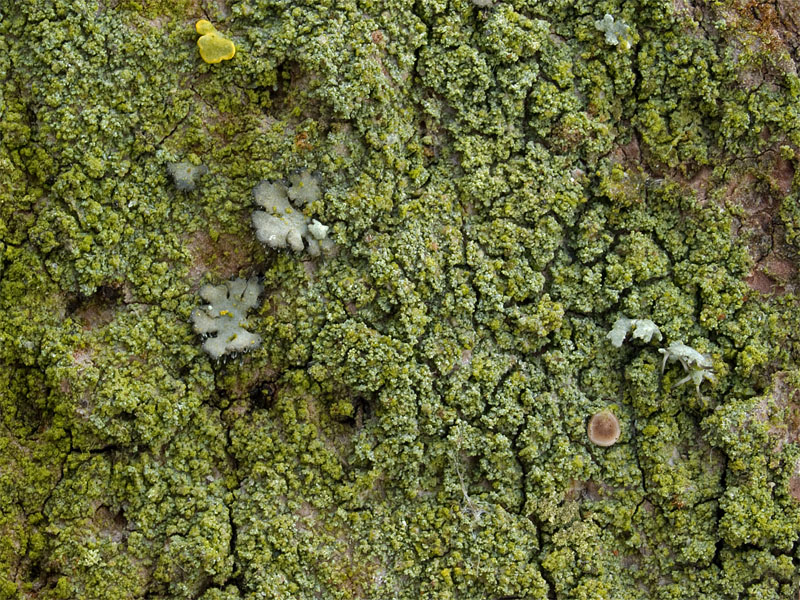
x: 502, y: 186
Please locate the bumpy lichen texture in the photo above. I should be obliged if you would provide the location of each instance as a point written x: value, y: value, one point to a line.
x: 502, y: 185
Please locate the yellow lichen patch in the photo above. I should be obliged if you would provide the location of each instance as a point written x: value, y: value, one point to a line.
x: 213, y: 46
x: 203, y: 27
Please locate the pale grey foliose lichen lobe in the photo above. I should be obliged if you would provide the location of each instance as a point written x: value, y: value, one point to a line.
x: 617, y: 32
x: 281, y: 224
x: 699, y: 367
x: 642, y: 329
x: 186, y: 175
x: 223, y: 319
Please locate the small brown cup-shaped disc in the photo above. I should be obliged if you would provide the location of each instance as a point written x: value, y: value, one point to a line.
x: 603, y: 428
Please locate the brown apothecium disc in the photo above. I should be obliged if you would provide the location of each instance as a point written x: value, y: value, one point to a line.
x: 603, y: 428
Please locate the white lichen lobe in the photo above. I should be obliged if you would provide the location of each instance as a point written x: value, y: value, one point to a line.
x: 617, y: 32
x: 224, y: 318
x: 699, y: 367
x: 642, y: 329
x: 185, y: 174
x: 281, y: 224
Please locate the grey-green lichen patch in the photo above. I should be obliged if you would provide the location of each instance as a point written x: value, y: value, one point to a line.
x: 223, y: 320
x: 502, y: 185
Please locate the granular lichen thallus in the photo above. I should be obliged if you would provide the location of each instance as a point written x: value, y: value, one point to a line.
x: 225, y: 316
x: 214, y: 47
x: 280, y: 224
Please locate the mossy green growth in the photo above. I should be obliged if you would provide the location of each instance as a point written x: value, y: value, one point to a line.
x: 502, y: 186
